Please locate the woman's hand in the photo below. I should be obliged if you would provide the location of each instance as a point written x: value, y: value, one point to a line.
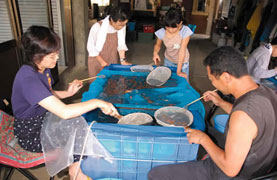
x: 108, y: 108
x: 104, y: 63
x: 101, y: 61
x: 74, y: 87
x: 156, y: 59
x: 212, y: 96
x: 182, y: 74
x: 195, y: 136
x: 125, y: 63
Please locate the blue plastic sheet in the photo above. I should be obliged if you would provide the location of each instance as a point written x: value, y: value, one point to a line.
x: 129, y: 92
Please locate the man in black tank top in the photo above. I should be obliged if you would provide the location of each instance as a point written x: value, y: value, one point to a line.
x: 251, y: 132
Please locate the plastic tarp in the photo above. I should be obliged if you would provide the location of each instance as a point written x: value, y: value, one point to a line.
x: 61, y: 139
x: 130, y: 93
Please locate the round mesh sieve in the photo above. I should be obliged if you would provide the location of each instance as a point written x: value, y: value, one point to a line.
x: 173, y: 116
x: 158, y: 76
x: 136, y: 119
x: 141, y: 68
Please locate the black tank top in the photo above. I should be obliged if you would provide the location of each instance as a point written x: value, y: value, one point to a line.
x: 261, y: 105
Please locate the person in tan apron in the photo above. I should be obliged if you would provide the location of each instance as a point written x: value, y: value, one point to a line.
x: 107, y: 40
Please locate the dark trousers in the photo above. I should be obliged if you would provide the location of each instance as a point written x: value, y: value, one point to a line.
x: 193, y: 170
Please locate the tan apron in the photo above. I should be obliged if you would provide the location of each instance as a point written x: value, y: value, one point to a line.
x: 109, y: 53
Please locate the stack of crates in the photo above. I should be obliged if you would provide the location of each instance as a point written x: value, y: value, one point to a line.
x: 148, y: 28
x: 137, y: 149
x: 147, y: 34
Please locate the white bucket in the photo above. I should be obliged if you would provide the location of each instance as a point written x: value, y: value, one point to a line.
x: 221, y: 42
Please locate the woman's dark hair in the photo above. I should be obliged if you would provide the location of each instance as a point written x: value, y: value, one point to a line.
x: 226, y: 59
x: 117, y: 13
x: 37, y: 42
x: 173, y: 17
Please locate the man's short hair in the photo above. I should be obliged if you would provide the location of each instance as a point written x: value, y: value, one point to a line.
x: 226, y: 59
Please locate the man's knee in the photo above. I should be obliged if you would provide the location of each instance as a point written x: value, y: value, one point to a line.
x: 152, y: 174
x: 156, y: 173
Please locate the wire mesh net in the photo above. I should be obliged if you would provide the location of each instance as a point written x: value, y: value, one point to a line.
x: 136, y: 119
x: 173, y: 116
x: 158, y: 76
x: 142, y: 68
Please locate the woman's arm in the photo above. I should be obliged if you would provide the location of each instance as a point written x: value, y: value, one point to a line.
x: 92, y: 38
x: 122, y: 56
x: 72, y: 89
x: 102, y: 62
x: 122, y: 48
x: 260, y: 59
x: 181, y: 56
x: 261, y: 67
x: 64, y: 111
x: 157, y: 47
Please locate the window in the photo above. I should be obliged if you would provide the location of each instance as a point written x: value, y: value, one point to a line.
x: 200, y: 7
x: 6, y: 33
x: 33, y: 12
x: 100, y: 2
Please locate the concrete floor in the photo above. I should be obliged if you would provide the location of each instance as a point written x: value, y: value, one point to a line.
x: 140, y: 52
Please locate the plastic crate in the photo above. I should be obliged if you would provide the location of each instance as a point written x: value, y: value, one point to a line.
x: 148, y: 28
x: 273, y: 79
x: 145, y: 37
x: 192, y: 27
x: 137, y: 149
x: 131, y: 26
x: 220, y: 122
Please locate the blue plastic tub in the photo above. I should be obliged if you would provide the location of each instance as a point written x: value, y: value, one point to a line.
x: 220, y: 122
x: 131, y: 26
x: 273, y: 79
x: 175, y: 92
x: 192, y: 27
x: 137, y: 149
x: 108, y: 179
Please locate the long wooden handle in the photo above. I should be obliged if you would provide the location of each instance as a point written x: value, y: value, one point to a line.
x: 88, y: 79
x: 198, y: 99
x: 101, y: 76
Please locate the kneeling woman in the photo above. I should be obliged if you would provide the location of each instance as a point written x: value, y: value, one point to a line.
x: 42, y: 121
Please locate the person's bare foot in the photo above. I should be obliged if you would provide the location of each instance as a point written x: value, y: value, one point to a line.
x: 72, y: 172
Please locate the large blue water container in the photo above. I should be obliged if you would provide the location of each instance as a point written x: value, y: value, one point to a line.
x: 131, y: 26
x: 136, y: 150
x: 220, y: 122
x: 192, y: 27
